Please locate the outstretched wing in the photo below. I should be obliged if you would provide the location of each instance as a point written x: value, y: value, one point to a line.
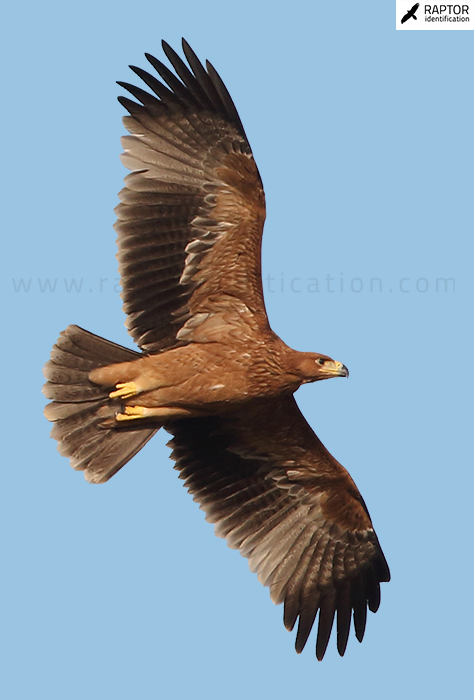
x: 191, y: 216
x: 276, y: 494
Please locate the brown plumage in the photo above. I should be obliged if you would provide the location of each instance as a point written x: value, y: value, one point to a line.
x: 211, y: 371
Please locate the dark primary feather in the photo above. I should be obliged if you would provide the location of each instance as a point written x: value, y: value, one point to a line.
x: 203, y: 78
x: 224, y: 96
x: 193, y: 191
x: 278, y: 496
x: 189, y: 89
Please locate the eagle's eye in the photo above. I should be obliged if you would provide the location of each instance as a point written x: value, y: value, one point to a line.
x: 320, y: 361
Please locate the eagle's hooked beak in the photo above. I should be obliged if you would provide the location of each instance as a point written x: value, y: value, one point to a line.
x: 335, y: 369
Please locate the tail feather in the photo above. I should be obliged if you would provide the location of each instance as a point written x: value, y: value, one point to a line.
x: 83, y: 414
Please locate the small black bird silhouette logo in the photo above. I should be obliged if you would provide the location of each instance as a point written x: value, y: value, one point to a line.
x: 411, y: 13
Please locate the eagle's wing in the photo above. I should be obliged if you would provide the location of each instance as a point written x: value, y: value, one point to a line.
x: 191, y: 216
x: 276, y: 494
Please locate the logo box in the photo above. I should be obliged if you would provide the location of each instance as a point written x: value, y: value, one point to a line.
x: 416, y: 16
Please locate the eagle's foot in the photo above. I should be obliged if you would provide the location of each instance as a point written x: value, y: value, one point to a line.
x: 157, y: 412
x: 124, y: 391
x: 131, y: 413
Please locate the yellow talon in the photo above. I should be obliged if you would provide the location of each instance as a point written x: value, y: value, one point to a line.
x: 124, y: 391
x: 131, y: 412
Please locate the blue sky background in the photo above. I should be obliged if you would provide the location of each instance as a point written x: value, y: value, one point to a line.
x: 363, y: 136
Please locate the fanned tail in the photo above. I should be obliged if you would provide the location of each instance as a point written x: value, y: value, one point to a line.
x: 82, y: 413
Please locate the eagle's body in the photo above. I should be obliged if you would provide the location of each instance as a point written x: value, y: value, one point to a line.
x: 209, y: 376
x: 211, y: 370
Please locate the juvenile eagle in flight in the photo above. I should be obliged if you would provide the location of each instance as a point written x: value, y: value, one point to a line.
x: 211, y: 371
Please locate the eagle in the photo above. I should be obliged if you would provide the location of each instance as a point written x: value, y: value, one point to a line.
x: 210, y: 370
